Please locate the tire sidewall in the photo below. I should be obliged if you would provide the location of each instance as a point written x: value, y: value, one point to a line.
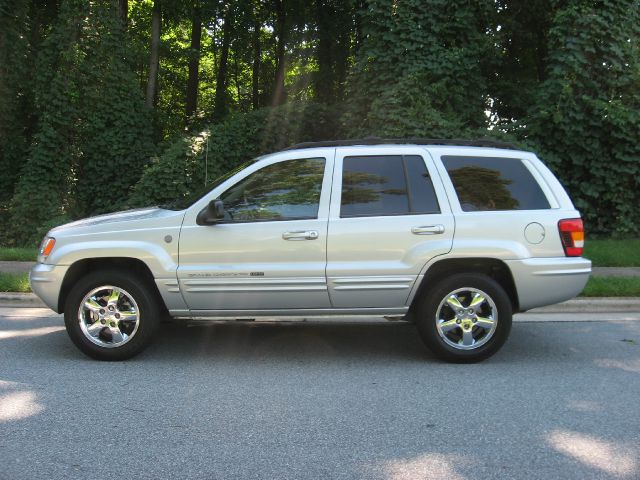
x: 427, y: 310
x: 148, y: 314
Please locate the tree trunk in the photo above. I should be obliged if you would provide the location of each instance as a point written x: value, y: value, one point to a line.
x: 193, y: 81
x: 154, y: 61
x: 325, y: 77
x: 123, y: 12
x: 214, y: 48
x: 359, y: 36
x: 342, y: 51
x: 221, y: 108
x: 279, y: 94
x: 236, y: 79
x: 255, y: 74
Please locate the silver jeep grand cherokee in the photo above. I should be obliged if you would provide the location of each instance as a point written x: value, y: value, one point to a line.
x: 455, y: 236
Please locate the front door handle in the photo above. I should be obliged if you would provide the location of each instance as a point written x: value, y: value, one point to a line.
x: 301, y: 235
x: 428, y: 230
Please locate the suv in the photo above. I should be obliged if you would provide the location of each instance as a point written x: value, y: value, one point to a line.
x: 454, y: 236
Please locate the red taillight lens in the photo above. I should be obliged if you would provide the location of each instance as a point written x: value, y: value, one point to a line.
x: 572, y: 236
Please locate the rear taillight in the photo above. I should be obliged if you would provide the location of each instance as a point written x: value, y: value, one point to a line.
x: 572, y: 236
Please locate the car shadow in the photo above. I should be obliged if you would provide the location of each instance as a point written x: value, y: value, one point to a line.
x: 303, y: 341
x: 290, y: 341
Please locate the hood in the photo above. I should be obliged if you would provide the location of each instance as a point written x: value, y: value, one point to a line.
x: 124, y: 216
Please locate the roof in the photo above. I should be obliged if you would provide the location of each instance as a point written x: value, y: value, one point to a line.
x: 482, y: 142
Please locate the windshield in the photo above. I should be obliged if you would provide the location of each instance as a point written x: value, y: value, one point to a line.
x: 181, y: 203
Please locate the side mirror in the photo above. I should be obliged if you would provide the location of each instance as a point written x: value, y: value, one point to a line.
x: 211, y: 214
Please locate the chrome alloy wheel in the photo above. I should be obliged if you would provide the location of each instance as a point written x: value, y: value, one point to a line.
x: 109, y: 316
x: 466, y: 318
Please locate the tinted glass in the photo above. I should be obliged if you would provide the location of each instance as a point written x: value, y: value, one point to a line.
x: 373, y: 185
x: 386, y: 185
x: 283, y: 191
x: 486, y: 183
x: 421, y: 194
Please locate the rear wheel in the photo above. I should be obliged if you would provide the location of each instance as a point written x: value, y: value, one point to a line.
x: 465, y: 318
x: 111, y: 316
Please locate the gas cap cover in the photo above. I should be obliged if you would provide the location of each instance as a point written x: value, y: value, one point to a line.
x: 534, y: 233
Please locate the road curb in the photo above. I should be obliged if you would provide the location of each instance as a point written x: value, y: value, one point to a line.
x: 16, y: 299
x: 577, y: 305
x: 593, y: 305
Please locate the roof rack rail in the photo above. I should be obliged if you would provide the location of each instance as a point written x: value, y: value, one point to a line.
x: 458, y: 142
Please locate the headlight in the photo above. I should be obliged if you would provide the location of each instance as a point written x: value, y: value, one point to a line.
x: 47, y: 245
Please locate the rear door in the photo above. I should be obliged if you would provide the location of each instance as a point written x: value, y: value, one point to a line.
x: 389, y: 216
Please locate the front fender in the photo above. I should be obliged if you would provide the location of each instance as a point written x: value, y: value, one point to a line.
x: 161, y: 263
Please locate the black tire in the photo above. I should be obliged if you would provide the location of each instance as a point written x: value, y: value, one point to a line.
x: 149, y: 314
x: 429, y: 304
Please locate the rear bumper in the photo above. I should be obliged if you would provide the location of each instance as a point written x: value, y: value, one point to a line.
x: 545, y: 281
x: 46, y: 281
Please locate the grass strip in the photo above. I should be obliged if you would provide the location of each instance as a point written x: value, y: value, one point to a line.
x: 14, y: 282
x: 612, y: 287
x: 18, y: 254
x: 613, y: 253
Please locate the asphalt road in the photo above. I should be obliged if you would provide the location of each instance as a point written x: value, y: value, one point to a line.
x: 321, y: 400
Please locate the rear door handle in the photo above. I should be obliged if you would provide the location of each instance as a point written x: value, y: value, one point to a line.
x: 301, y: 235
x: 428, y: 230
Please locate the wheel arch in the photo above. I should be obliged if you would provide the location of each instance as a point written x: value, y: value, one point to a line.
x: 78, y: 269
x: 492, y: 267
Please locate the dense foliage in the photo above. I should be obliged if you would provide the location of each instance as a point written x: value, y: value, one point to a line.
x: 586, y: 117
x: 93, y: 136
x: 417, y: 72
x: 116, y: 103
x: 191, y: 162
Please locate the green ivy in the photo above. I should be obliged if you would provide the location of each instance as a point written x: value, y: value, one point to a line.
x: 116, y: 135
x: 586, y: 117
x: 15, y: 85
x: 94, y: 135
x: 44, y: 191
x: 417, y: 72
x: 562, y: 77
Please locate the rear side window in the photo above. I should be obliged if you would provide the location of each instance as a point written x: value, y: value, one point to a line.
x: 386, y: 185
x: 488, y: 183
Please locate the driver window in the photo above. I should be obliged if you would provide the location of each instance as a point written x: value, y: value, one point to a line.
x: 288, y: 190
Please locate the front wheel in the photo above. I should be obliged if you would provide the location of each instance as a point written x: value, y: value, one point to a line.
x: 465, y: 318
x: 111, y: 316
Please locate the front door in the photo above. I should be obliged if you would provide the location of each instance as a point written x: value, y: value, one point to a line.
x: 389, y: 217
x: 269, y: 253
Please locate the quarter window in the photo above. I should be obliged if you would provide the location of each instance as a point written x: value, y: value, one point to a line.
x: 288, y: 190
x: 386, y: 185
x: 488, y: 183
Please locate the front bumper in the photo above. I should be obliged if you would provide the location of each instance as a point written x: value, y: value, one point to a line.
x: 46, y: 281
x: 545, y: 281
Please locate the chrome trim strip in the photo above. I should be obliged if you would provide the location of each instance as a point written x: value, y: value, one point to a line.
x: 253, y: 285
x: 255, y: 288
x: 371, y: 283
x: 372, y: 287
x: 580, y: 271
x: 41, y: 279
x: 254, y: 281
x: 371, y: 279
x: 172, y: 286
x: 288, y: 312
